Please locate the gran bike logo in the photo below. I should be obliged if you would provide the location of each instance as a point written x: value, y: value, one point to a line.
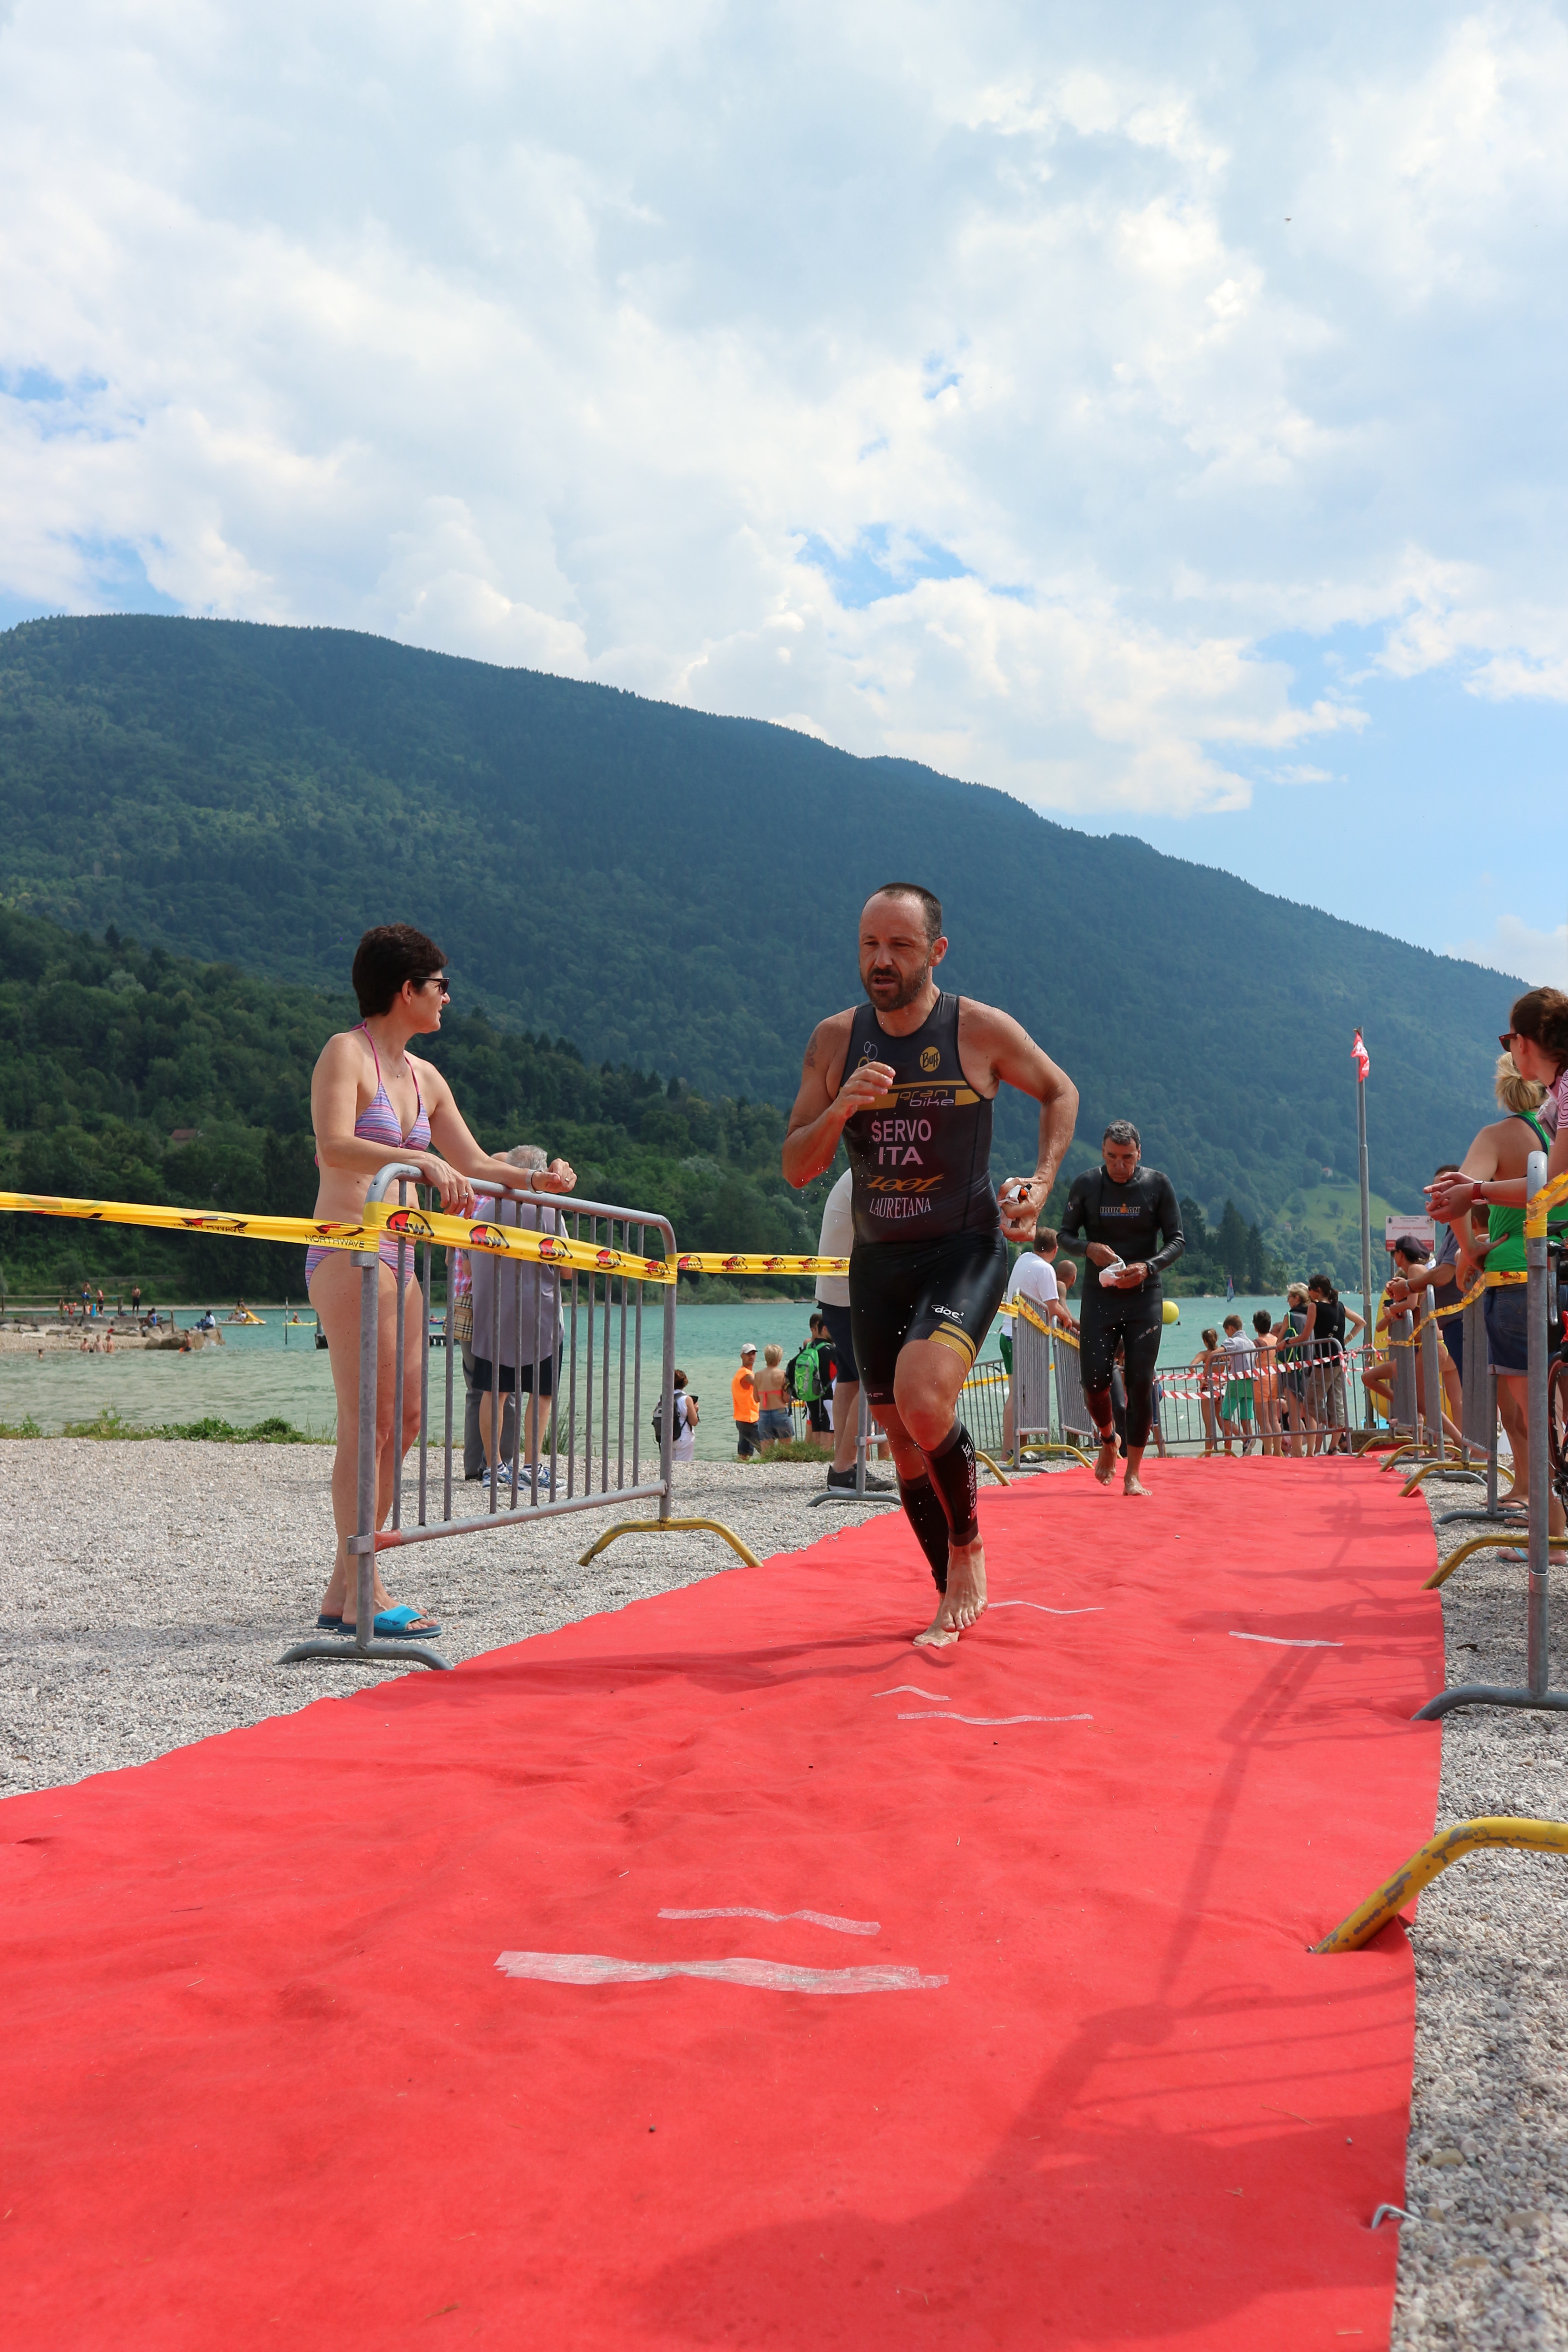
x: 930, y: 1058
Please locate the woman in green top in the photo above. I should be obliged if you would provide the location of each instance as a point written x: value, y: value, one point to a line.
x: 1494, y: 1171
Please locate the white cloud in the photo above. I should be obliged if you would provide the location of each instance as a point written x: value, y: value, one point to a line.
x: 1540, y: 959
x: 989, y: 386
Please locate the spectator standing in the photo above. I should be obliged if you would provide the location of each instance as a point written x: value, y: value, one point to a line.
x: 371, y: 1102
x: 775, y: 1426
x: 744, y: 1405
x: 1066, y: 1274
x: 1534, y: 1059
x: 1331, y: 1334
x: 459, y: 1276
x: 836, y: 1240
x: 1033, y: 1277
x: 683, y: 1439
x: 1209, y: 1365
x: 1292, y: 1334
x: 809, y: 1377
x: 136, y: 1298
x: 516, y: 1306
x: 1264, y: 1383
x: 1235, y: 1407
x: 1448, y: 1287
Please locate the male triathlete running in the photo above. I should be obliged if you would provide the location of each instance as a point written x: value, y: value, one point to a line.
x: 1115, y: 1216
x: 908, y: 1081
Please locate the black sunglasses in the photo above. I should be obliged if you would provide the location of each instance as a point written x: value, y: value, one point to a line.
x: 1506, y: 1040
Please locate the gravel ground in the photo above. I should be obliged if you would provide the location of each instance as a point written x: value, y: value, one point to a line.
x: 159, y: 1582
x: 1486, y: 2264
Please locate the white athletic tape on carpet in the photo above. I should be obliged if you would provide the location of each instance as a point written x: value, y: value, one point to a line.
x: 782, y: 1918
x: 923, y: 1717
x: 1096, y: 1608
x: 1283, y: 1641
x: 913, y: 1689
x: 765, y: 1976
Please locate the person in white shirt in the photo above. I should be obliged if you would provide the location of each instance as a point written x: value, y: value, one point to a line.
x: 1236, y: 1411
x: 837, y: 1239
x: 1033, y: 1277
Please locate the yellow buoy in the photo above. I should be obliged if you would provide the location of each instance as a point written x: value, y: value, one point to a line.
x: 1170, y: 1312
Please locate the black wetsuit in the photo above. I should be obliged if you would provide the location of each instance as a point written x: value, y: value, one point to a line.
x: 929, y: 1260
x: 1141, y: 1222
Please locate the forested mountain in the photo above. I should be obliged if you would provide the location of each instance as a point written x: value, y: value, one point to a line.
x: 679, y: 892
x: 132, y: 1075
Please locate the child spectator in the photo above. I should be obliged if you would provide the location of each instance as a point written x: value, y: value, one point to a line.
x: 1264, y: 1383
x: 1236, y: 1409
x: 1209, y: 1367
x: 774, y: 1425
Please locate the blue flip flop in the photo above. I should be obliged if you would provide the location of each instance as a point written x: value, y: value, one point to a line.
x: 404, y: 1624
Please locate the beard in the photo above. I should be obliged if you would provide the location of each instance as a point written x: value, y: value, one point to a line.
x: 904, y: 992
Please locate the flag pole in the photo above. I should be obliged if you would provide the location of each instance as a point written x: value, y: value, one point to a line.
x: 1363, y: 1064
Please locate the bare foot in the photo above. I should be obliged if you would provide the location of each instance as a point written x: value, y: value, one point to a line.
x: 1105, y: 1462
x: 963, y: 1602
x: 1133, y: 1485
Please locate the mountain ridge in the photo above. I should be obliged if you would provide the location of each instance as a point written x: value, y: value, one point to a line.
x: 679, y: 891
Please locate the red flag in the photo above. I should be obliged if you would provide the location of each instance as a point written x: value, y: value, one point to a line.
x: 1359, y: 1057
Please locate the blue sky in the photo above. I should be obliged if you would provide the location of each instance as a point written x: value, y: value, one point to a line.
x: 1154, y: 413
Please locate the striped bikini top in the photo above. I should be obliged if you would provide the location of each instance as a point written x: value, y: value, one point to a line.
x: 378, y: 1122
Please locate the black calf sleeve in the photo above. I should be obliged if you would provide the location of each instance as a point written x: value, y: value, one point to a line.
x: 929, y: 1521
x: 952, y: 1472
x: 1099, y: 1403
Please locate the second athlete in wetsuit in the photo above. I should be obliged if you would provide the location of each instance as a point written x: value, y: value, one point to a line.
x: 908, y: 1082
x: 1122, y: 1212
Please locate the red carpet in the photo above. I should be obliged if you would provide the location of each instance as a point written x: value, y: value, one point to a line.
x: 264, y: 2082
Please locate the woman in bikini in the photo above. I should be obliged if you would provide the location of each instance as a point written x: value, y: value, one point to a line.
x: 372, y: 1101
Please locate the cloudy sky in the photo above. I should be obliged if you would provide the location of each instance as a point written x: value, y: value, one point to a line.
x: 1154, y: 412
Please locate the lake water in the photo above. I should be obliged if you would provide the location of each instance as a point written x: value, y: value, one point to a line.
x: 272, y: 1368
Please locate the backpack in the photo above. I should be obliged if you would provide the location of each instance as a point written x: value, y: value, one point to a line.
x: 805, y: 1374
x: 681, y: 1421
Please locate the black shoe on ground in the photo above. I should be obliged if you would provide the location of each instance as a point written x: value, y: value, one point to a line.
x: 841, y: 1480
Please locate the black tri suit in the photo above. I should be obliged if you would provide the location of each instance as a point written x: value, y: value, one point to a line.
x: 929, y: 1261
x: 1141, y: 1222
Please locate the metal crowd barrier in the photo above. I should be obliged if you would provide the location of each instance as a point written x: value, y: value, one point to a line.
x: 1312, y: 1399
x: 593, y: 1452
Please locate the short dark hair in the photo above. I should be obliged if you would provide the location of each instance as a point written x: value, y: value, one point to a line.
x: 388, y: 956
x: 1408, y: 1246
x: 1122, y: 1130
x: 1044, y: 1237
x: 1263, y: 1320
x: 1541, y: 1015
x: 928, y: 898
x: 1447, y: 1168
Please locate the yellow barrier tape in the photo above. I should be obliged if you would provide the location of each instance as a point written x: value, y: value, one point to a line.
x: 410, y: 1224
x: 1549, y: 1197
x: 1019, y: 1304
x: 741, y: 1262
